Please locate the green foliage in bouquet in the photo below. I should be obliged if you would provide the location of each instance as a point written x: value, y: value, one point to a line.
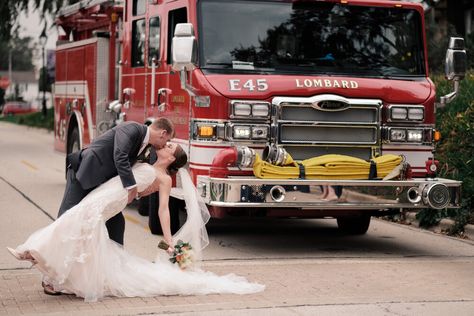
x: 182, y: 255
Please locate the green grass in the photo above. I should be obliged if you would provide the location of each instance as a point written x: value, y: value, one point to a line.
x: 33, y: 119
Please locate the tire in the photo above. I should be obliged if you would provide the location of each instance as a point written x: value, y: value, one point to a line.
x: 175, y: 207
x: 73, y: 143
x: 143, y: 206
x: 354, y: 225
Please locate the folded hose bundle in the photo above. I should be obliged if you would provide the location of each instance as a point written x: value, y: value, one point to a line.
x: 328, y: 167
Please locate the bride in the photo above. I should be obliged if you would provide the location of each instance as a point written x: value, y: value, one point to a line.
x: 75, y: 254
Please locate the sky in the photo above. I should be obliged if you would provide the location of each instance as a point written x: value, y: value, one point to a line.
x: 31, y: 25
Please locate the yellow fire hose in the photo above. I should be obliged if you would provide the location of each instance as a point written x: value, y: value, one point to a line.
x: 328, y: 167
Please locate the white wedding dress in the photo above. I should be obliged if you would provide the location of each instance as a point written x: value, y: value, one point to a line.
x: 75, y: 254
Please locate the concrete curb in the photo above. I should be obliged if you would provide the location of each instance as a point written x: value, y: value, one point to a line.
x: 444, y: 225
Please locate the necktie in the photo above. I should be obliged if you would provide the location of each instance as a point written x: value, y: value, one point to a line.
x: 144, y: 155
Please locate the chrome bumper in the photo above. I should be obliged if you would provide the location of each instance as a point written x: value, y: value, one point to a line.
x: 323, y: 194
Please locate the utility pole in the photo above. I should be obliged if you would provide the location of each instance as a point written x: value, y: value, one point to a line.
x: 43, y: 38
x: 10, y: 76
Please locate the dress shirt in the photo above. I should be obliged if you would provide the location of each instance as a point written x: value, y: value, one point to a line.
x: 145, y: 142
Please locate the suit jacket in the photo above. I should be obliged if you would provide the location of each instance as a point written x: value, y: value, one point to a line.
x: 113, y: 153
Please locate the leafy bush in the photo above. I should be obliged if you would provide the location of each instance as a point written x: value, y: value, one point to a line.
x: 33, y: 119
x: 455, y: 151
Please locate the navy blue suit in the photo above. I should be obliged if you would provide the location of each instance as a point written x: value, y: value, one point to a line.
x: 112, y: 153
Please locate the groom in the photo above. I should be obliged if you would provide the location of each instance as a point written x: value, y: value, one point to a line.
x: 112, y: 153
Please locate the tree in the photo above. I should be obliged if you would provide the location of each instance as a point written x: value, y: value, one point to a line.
x: 21, y: 52
x: 11, y: 9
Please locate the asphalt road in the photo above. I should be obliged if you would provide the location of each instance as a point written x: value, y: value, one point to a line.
x: 307, y: 265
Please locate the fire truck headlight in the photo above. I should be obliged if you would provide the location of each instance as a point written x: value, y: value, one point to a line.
x: 260, y: 110
x: 259, y: 132
x: 398, y: 135
x: 249, y: 109
x: 242, y: 109
x: 415, y: 135
x: 398, y: 113
x: 241, y: 132
x: 416, y: 114
x: 406, y: 113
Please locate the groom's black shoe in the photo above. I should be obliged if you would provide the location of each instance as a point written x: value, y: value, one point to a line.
x: 48, y: 289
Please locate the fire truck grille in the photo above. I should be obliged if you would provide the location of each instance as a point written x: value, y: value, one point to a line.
x: 305, y: 128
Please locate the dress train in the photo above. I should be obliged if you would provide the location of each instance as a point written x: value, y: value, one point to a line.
x: 75, y: 254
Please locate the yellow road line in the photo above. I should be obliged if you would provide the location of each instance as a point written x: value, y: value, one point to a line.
x: 30, y: 165
x: 132, y: 219
x: 135, y: 221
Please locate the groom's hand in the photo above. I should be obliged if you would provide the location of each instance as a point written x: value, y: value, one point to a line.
x: 132, y: 193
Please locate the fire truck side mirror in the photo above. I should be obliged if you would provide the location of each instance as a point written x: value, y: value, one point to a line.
x: 455, y: 67
x: 184, y: 47
x: 456, y: 60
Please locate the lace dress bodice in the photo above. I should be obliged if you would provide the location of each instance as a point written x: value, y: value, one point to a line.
x: 111, y: 197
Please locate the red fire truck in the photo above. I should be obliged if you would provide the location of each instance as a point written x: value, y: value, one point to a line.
x: 237, y: 77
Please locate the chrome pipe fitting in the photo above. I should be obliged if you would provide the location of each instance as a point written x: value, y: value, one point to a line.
x: 436, y: 195
x: 277, y: 193
x: 274, y: 155
x: 413, y: 195
x: 245, y: 157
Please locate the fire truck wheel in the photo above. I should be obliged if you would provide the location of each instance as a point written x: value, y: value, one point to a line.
x: 354, y: 225
x: 176, y: 207
x: 143, y: 206
x: 73, y: 141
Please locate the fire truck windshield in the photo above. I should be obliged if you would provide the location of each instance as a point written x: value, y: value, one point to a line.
x: 310, y: 37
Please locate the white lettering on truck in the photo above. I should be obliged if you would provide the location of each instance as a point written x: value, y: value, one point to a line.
x: 326, y: 83
x: 250, y: 85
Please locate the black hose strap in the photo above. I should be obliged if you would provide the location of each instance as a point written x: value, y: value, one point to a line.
x: 302, y: 171
x: 373, y: 170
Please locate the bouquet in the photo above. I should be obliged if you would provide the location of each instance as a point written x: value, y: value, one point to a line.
x: 182, y: 255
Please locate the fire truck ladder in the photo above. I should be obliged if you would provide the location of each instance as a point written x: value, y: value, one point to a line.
x: 86, y: 4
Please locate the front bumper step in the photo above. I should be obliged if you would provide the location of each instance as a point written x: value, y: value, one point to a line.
x: 334, y: 194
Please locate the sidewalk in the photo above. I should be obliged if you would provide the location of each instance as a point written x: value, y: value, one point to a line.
x: 299, y: 286
x: 21, y: 293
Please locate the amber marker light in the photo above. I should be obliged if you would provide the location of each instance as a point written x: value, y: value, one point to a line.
x: 206, y: 131
x: 436, y: 136
x: 114, y: 17
x: 344, y: 1
x: 398, y: 6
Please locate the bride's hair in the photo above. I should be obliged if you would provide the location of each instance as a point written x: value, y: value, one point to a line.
x: 180, y: 161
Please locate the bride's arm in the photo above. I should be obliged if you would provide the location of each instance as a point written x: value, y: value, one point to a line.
x: 163, y: 209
